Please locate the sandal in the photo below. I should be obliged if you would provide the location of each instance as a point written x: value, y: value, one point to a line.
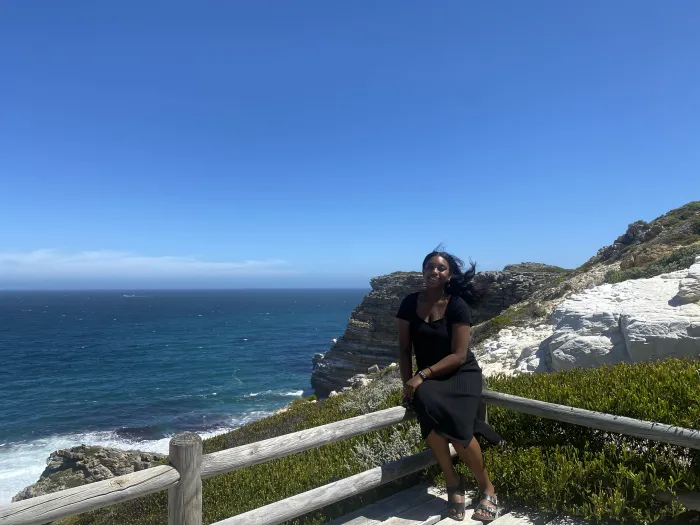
x: 486, y: 512
x: 455, y: 509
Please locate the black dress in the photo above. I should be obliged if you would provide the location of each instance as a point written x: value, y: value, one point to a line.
x: 448, y: 404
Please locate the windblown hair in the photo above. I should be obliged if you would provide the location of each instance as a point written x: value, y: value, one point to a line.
x: 460, y: 283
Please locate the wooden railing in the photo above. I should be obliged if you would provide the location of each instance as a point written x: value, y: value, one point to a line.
x: 188, y: 466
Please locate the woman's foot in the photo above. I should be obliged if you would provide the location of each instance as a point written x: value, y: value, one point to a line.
x: 487, y: 509
x: 456, y: 498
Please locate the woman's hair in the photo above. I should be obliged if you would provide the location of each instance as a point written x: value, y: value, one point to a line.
x: 460, y: 283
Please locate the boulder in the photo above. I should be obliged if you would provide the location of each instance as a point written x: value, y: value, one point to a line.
x: 81, y: 465
x: 689, y: 287
x: 359, y: 381
x: 373, y: 369
x: 633, y: 321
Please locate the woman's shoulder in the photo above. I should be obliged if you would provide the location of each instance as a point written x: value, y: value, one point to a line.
x: 409, y: 298
x: 458, y: 310
x: 456, y: 302
x: 407, y: 308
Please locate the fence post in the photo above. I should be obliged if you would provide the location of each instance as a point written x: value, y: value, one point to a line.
x: 185, y: 498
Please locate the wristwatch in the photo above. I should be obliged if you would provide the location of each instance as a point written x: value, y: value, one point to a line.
x: 422, y: 375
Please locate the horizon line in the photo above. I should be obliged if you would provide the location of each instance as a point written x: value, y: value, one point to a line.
x: 178, y: 289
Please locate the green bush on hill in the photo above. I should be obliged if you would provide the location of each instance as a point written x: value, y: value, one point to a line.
x: 550, y: 465
x: 695, y: 227
x: 679, y: 215
x: 677, y: 260
x: 558, y: 466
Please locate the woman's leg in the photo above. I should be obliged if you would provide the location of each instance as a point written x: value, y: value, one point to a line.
x: 473, y: 458
x: 441, y: 448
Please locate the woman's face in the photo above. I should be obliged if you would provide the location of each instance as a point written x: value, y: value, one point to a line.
x: 436, y: 272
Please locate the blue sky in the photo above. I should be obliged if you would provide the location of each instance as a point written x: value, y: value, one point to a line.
x: 316, y: 143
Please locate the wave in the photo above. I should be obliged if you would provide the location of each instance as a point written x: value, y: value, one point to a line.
x: 22, y: 463
x: 281, y: 393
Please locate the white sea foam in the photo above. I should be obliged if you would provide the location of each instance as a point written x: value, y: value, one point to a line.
x: 22, y: 463
x: 292, y: 393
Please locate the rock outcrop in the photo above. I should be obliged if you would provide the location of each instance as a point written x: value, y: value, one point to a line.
x: 636, y: 320
x: 371, y: 339
x: 81, y: 465
x: 632, y: 321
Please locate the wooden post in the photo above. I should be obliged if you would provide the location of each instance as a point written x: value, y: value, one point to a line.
x: 185, y: 498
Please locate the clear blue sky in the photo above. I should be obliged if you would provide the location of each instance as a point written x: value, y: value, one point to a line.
x: 317, y: 143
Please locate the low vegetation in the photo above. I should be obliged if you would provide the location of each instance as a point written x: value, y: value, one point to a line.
x: 515, y: 315
x: 585, y: 472
x: 679, y: 216
x: 550, y: 465
x: 677, y: 260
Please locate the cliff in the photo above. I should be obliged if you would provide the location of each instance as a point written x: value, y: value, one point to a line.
x: 371, y: 339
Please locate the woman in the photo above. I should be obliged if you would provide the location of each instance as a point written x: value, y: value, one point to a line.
x: 445, y: 392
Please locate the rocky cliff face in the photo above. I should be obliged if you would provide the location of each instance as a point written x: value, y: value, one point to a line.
x: 370, y: 337
x: 81, y: 465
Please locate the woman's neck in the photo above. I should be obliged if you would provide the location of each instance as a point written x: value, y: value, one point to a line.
x: 434, y: 294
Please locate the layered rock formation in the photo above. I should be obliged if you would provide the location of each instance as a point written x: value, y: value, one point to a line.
x: 371, y: 338
x: 81, y: 465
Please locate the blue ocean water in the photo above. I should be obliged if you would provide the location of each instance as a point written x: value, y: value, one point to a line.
x: 129, y: 369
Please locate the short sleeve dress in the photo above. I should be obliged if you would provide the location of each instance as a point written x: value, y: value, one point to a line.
x: 448, y: 404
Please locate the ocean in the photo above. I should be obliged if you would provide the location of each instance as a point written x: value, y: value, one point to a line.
x: 128, y: 369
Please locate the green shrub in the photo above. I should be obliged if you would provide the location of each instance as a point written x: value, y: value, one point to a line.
x: 695, y: 226
x: 546, y: 464
x: 595, y: 474
x: 678, y: 260
x: 675, y: 217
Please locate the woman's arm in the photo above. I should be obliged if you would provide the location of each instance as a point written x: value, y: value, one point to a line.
x: 461, y: 333
x: 405, y: 348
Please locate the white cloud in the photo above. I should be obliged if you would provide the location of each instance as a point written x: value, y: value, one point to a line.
x: 51, y: 264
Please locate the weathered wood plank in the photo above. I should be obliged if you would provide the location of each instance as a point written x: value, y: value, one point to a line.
x: 185, y: 498
x: 50, y: 507
x: 428, y: 512
x: 386, y: 508
x: 467, y: 519
x: 314, y: 499
x: 684, y: 437
x: 472, y: 500
x: 244, y: 456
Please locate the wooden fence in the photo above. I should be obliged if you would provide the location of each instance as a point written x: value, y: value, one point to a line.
x: 188, y: 466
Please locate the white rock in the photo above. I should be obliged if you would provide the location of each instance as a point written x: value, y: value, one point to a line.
x: 358, y: 381
x: 513, y: 350
x: 373, y: 369
x: 689, y: 287
x: 636, y: 320
x: 332, y: 393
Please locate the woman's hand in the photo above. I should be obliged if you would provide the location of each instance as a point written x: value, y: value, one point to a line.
x: 411, y: 385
